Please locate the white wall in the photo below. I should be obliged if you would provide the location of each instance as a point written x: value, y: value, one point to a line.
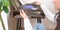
x: 4, y: 17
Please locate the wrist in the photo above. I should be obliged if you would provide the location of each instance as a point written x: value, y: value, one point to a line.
x: 25, y: 17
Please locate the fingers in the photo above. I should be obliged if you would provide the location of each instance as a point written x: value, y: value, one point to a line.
x: 37, y: 3
x: 22, y: 12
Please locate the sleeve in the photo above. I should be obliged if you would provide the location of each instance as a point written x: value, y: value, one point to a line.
x: 48, y: 14
x: 27, y: 24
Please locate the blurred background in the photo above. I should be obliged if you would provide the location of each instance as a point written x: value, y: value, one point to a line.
x: 12, y: 21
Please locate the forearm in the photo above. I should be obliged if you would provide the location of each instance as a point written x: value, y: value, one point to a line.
x: 27, y: 24
x: 48, y: 14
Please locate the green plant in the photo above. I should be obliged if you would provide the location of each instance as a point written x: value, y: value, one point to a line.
x: 3, y: 7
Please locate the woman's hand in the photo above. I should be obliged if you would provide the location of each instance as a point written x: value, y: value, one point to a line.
x: 23, y: 14
x: 37, y: 3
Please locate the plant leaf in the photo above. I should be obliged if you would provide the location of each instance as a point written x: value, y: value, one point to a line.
x: 6, y: 2
x: 1, y: 4
x: 5, y: 8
